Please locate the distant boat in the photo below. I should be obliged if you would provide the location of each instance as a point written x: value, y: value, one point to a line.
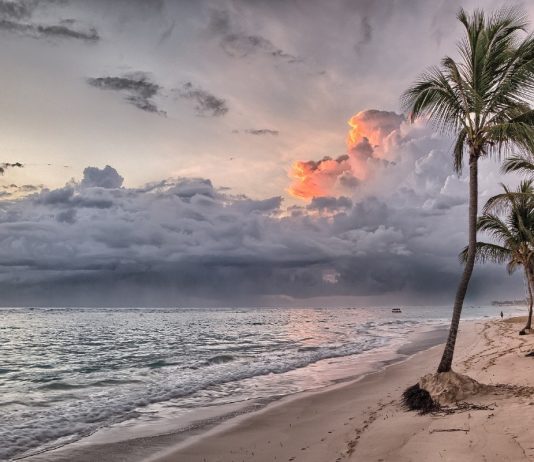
x: 396, y: 310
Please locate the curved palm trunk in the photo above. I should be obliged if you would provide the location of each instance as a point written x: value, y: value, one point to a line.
x: 446, y: 360
x: 530, y: 281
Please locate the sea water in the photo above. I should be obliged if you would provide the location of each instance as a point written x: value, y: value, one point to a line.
x: 67, y: 373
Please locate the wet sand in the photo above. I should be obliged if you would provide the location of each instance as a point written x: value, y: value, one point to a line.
x: 364, y: 421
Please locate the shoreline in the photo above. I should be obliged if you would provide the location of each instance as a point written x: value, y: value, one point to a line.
x: 364, y: 421
x: 295, y: 423
x: 141, y: 447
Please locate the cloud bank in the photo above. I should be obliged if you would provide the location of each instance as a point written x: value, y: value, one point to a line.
x: 185, y: 241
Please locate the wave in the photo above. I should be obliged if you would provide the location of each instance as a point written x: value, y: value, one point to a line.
x: 220, y: 359
x: 59, y: 385
x: 113, y: 407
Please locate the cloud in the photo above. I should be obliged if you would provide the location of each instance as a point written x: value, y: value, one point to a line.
x: 241, y: 45
x: 206, y: 104
x: 262, y: 131
x: 4, y: 166
x: 187, y: 188
x: 89, y: 35
x: 18, y: 17
x: 182, y: 240
x: 107, y: 177
x: 238, y: 44
x: 366, y: 34
x: 14, y: 9
x: 329, y: 204
x: 137, y: 88
x: 319, y: 178
x: 369, y: 142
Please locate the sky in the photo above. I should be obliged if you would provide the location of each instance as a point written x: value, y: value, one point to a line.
x: 219, y: 153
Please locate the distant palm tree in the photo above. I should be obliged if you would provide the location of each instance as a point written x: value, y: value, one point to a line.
x: 483, y: 100
x: 514, y: 234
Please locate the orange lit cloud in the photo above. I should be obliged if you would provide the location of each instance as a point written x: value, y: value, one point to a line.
x: 365, y: 148
x: 315, y: 179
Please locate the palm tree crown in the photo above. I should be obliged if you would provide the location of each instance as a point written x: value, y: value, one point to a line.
x: 483, y: 99
x: 513, y: 234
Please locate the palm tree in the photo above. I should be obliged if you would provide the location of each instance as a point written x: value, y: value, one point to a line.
x: 483, y: 100
x: 514, y: 234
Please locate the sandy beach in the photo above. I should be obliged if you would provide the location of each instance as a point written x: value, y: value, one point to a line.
x: 364, y: 421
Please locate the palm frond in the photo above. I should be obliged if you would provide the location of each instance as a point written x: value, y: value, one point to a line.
x: 459, y: 148
x: 486, y: 251
x: 519, y: 163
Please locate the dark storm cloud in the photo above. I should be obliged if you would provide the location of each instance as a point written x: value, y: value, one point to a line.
x: 206, y: 104
x: 137, y: 88
x: 179, y: 240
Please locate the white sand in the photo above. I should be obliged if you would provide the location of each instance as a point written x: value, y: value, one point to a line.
x: 363, y: 421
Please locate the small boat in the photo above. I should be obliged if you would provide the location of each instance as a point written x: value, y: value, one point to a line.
x: 396, y: 310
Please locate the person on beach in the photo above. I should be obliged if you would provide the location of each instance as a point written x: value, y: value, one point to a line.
x: 502, y: 315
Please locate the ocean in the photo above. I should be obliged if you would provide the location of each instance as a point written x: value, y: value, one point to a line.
x: 68, y: 373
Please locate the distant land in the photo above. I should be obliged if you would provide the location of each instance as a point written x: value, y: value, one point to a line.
x: 508, y: 302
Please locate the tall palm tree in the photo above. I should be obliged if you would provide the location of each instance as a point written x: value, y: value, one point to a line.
x: 514, y: 234
x: 482, y: 99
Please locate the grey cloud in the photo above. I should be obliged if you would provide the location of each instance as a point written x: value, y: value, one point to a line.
x: 6, y: 165
x: 366, y: 33
x: 186, y: 188
x: 183, y: 240
x: 69, y: 197
x: 138, y: 89
x: 186, y: 241
x: 90, y: 35
x: 14, y: 191
x: 107, y: 178
x: 348, y: 181
x: 329, y: 204
x: 206, y: 104
x: 219, y: 22
x: 247, y: 205
x: 17, y: 16
x: 14, y: 9
x: 444, y: 202
x: 67, y: 216
x: 241, y: 45
x: 262, y: 131
x: 238, y: 44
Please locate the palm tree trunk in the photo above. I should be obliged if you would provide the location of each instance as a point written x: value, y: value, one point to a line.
x: 446, y: 360
x: 530, y: 281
